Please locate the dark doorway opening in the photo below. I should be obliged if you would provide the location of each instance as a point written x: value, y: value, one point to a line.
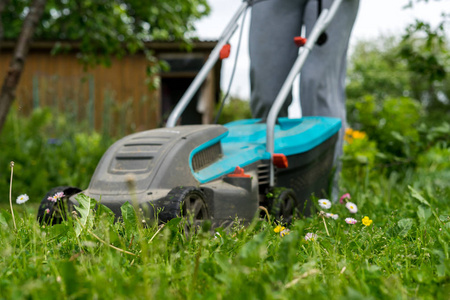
x: 172, y: 90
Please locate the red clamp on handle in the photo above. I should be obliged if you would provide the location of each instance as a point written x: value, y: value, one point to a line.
x: 299, y: 41
x: 239, y: 172
x: 225, y: 51
x: 280, y: 161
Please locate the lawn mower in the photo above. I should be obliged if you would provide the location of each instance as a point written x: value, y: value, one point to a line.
x: 217, y: 172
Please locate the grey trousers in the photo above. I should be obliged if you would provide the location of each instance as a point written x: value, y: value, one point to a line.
x: 274, y: 25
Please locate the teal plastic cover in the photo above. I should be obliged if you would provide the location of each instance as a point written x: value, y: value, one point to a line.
x: 245, y: 142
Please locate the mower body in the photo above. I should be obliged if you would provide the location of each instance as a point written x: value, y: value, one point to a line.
x: 229, y: 164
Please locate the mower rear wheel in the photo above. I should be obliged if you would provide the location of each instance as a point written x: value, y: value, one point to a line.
x: 284, y: 206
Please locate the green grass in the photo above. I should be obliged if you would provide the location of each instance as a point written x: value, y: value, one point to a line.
x: 403, y: 255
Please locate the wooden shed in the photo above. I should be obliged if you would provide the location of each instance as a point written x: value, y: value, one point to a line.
x: 116, y: 98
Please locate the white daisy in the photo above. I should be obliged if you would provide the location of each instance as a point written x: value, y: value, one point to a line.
x: 351, y: 207
x: 333, y: 216
x: 310, y: 236
x: 22, y: 199
x: 324, y: 203
x: 350, y: 221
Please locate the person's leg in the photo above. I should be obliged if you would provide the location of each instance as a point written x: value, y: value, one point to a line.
x: 322, y: 79
x: 274, y: 24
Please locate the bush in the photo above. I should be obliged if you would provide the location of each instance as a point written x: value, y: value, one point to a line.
x: 397, y: 127
x: 48, y: 151
x: 235, y: 109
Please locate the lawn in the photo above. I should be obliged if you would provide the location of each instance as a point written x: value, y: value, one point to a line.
x: 402, y: 254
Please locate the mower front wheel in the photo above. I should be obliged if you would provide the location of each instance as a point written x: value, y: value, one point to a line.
x: 54, y: 211
x: 187, y: 202
x: 194, y: 207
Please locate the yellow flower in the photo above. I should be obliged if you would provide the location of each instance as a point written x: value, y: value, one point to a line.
x: 366, y: 221
x: 351, y: 134
x: 279, y: 229
x: 358, y: 134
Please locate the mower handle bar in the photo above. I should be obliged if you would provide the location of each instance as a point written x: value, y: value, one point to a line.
x: 204, y: 71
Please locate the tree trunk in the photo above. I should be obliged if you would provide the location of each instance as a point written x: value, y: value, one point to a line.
x: 8, y: 92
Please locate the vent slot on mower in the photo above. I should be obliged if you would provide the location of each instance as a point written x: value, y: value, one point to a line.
x: 206, y: 157
x: 263, y: 174
x: 134, y: 158
x: 122, y: 165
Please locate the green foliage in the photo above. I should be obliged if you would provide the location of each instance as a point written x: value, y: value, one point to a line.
x: 374, y: 69
x: 108, y: 28
x: 396, y: 138
x: 48, y: 151
x: 83, y: 209
x: 391, y: 125
x: 394, y: 142
x: 129, y: 218
x: 426, y: 52
x: 234, y: 109
x: 398, y: 96
x: 360, y: 155
x: 411, y: 3
x: 415, y: 66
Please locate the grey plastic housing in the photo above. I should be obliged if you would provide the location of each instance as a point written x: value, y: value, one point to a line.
x: 145, y: 166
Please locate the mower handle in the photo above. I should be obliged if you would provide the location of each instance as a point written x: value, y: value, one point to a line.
x: 321, y: 24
